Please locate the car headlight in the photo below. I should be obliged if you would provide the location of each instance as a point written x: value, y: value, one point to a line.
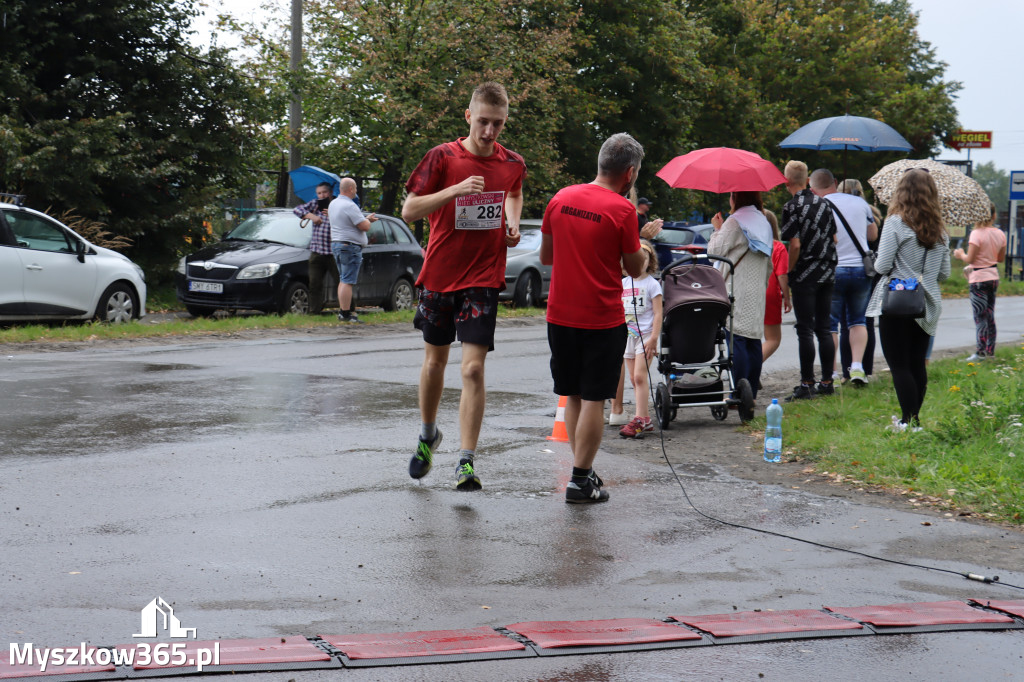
x: 181, y: 266
x: 142, y: 275
x: 261, y: 271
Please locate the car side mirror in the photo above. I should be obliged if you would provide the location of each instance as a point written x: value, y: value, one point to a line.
x: 80, y: 250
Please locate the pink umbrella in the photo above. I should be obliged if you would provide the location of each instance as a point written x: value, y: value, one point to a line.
x: 721, y: 169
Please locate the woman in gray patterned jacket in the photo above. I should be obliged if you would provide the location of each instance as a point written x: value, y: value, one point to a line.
x: 914, y: 245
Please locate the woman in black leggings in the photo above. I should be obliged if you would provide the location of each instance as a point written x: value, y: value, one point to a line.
x: 914, y: 245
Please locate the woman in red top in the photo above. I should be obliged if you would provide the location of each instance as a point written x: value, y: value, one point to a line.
x: 777, y: 296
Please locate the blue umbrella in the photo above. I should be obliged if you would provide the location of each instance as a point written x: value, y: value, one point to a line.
x: 306, y: 178
x: 847, y: 132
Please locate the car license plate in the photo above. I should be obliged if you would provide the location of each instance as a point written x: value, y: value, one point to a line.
x: 208, y: 287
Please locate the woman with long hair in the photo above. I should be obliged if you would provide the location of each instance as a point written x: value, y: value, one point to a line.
x: 734, y: 238
x: 914, y: 245
x: 986, y: 247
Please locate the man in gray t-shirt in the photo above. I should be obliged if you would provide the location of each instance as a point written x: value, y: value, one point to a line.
x: 348, y: 237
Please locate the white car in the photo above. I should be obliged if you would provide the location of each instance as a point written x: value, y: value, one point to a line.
x: 47, y: 272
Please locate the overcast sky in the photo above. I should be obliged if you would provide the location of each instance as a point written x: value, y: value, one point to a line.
x: 977, y: 39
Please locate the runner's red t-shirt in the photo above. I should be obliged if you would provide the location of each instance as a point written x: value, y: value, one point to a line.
x: 467, y: 236
x: 590, y: 227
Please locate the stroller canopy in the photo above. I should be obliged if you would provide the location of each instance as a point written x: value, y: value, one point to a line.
x: 694, y: 284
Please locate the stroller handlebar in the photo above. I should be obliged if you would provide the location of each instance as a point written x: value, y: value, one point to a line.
x: 689, y: 257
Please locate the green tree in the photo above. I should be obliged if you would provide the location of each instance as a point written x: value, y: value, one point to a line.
x: 107, y: 111
x: 384, y: 82
x: 780, y: 65
x: 636, y: 68
x: 995, y: 182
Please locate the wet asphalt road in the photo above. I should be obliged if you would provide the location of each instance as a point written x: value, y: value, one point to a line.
x: 261, y: 487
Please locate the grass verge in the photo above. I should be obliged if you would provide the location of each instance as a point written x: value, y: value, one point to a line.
x: 956, y: 285
x: 93, y: 331
x: 969, y: 457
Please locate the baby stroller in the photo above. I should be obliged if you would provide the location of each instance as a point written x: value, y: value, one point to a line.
x: 696, y: 355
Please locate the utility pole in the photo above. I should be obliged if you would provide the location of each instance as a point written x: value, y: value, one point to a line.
x: 295, y: 107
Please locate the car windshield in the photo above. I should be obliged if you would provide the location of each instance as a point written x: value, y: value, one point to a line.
x: 676, y: 235
x: 530, y: 240
x: 279, y: 228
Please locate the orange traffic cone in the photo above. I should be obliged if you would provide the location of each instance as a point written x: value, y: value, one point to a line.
x: 558, y: 431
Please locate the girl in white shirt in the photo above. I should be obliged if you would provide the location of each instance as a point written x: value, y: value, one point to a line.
x: 641, y: 303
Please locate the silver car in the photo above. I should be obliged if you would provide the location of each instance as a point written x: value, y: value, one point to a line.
x: 48, y: 272
x: 526, y: 280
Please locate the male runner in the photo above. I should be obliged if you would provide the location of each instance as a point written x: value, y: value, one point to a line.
x: 471, y: 189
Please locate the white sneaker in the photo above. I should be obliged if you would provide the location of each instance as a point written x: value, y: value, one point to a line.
x: 975, y: 357
x: 897, y: 425
x: 619, y: 419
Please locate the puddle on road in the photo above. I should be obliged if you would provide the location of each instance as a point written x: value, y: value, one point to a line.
x: 146, y: 403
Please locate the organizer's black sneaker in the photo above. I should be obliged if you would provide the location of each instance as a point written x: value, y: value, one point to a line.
x: 825, y: 389
x: 419, y: 465
x: 465, y: 478
x: 589, y: 493
x: 801, y: 392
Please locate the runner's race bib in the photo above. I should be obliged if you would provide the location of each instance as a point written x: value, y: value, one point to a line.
x: 479, y: 211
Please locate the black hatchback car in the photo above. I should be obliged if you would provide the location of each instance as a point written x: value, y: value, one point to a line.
x: 263, y: 264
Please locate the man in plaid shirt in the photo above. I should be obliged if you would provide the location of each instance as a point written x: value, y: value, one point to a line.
x: 320, y: 257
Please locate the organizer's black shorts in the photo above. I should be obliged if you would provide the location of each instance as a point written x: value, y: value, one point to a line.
x: 586, y: 362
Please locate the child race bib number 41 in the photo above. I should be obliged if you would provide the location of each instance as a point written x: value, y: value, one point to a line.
x: 479, y: 211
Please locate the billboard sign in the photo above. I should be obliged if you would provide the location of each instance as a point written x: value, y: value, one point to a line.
x: 971, y: 139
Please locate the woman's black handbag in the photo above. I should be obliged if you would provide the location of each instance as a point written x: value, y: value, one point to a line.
x: 904, y: 297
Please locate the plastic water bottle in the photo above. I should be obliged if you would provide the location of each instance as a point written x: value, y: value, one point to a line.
x: 773, y: 433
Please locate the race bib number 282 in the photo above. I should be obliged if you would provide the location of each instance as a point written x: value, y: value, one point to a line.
x: 479, y: 211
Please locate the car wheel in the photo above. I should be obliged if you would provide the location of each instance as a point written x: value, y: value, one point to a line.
x: 199, y: 311
x: 402, y: 296
x: 527, y: 293
x: 117, y: 305
x: 295, y: 299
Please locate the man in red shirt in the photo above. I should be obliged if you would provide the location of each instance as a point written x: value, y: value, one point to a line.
x: 589, y: 234
x: 472, y: 191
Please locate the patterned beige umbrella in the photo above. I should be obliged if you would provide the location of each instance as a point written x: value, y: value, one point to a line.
x: 963, y: 200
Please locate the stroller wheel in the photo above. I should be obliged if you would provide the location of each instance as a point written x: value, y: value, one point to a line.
x: 746, y: 406
x: 720, y: 412
x: 663, y: 405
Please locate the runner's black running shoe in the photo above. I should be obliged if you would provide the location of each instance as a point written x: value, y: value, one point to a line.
x: 419, y: 465
x: 465, y: 478
x: 589, y: 493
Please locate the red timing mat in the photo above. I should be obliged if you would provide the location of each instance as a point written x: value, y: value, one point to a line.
x: 921, y: 613
x: 402, y: 644
x: 9, y: 670
x: 1014, y: 608
x: 561, y: 633
x: 767, y: 622
x: 294, y: 649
